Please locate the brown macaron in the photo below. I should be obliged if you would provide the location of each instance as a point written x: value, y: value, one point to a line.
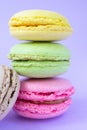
x: 9, y: 89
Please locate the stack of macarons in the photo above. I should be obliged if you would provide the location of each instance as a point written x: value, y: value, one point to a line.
x: 40, y: 60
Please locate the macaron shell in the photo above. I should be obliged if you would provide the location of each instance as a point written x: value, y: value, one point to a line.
x: 45, y: 85
x: 45, y: 89
x: 46, y: 69
x: 1, y: 77
x: 5, y: 72
x: 36, y: 35
x: 35, y: 111
x: 39, y: 25
x: 39, y: 51
x: 37, y: 17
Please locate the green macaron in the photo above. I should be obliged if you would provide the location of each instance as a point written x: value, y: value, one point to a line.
x: 35, y: 60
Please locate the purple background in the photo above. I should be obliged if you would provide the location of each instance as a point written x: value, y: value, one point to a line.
x: 76, y: 12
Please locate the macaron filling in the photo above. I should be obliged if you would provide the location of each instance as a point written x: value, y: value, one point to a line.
x: 31, y: 63
x: 43, y: 28
x: 59, y: 101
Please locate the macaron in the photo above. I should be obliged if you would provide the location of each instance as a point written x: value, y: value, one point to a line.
x: 44, y: 98
x: 36, y: 60
x: 9, y: 89
x: 39, y: 25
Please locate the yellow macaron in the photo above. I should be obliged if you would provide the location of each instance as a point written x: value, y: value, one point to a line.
x: 39, y: 25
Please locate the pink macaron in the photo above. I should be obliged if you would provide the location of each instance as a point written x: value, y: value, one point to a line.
x: 44, y: 98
